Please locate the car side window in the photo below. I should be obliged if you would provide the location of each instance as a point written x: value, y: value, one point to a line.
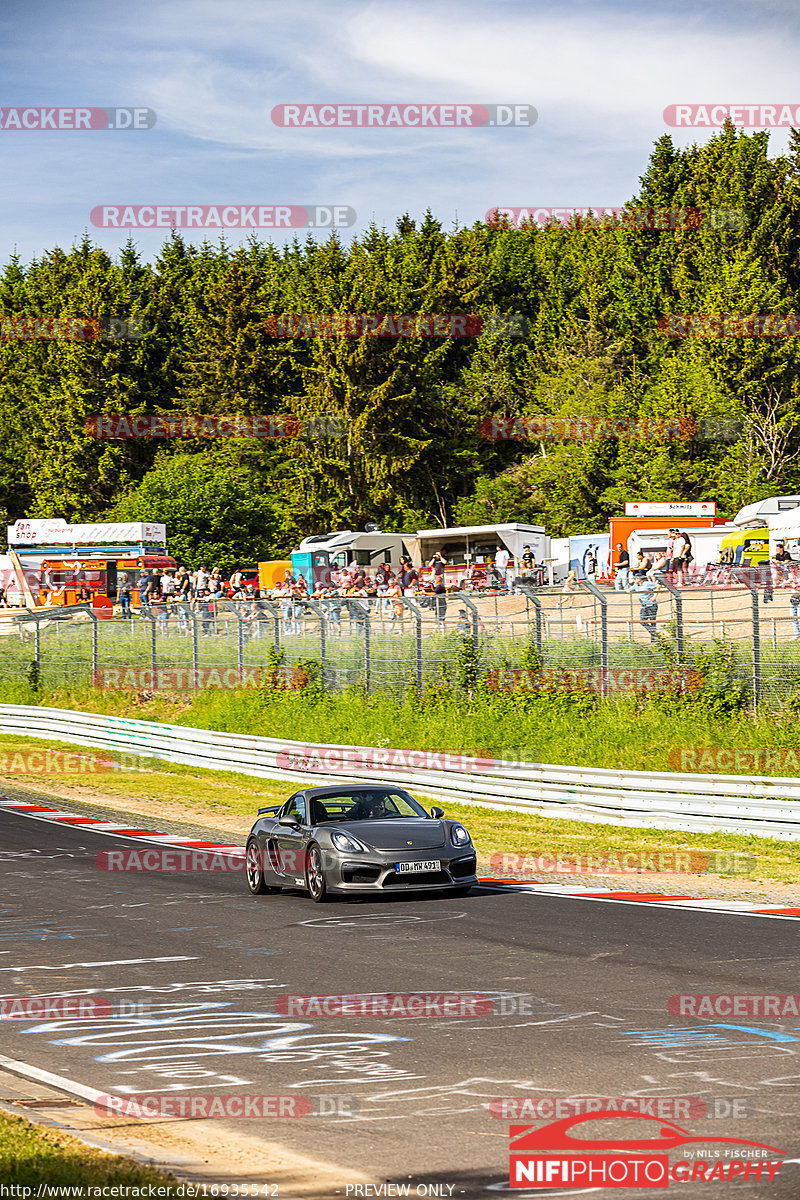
x: 296, y: 805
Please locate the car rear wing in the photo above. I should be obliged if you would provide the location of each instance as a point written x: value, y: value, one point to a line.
x: 273, y: 808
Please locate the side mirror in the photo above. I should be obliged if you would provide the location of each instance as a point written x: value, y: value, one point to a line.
x: 291, y: 820
x: 437, y: 812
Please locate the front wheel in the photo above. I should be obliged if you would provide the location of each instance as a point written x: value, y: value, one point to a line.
x: 315, y: 876
x: 254, y: 868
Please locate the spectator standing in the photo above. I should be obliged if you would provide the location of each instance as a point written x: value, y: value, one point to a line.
x: 437, y: 566
x: 409, y: 578
x: 648, y: 605
x: 780, y: 559
x: 168, y: 584
x: 501, y: 563
x: 125, y: 595
x: 794, y: 604
x: 201, y: 580
x: 623, y: 568
x: 147, y: 587
x: 568, y: 591
x: 681, y: 555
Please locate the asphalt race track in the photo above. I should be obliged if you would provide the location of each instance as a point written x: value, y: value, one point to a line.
x: 201, y: 966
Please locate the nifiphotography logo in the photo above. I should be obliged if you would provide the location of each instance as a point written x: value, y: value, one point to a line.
x: 551, y: 1156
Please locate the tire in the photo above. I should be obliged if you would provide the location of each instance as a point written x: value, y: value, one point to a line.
x: 254, y: 869
x: 315, y: 876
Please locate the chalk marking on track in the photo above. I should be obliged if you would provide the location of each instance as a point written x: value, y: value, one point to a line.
x: 112, y: 962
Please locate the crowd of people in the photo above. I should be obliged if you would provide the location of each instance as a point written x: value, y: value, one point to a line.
x: 179, y: 592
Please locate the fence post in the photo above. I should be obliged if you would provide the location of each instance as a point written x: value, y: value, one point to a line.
x: 756, y: 646
x: 153, y: 652
x: 323, y: 645
x: 678, y: 598
x: 367, y: 647
x: 475, y: 642
x: 528, y: 591
x: 274, y: 611
x: 37, y: 646
x: 94, y: 645
x: 416, y: 612
x: 195, y: 651
x: 598, y: 595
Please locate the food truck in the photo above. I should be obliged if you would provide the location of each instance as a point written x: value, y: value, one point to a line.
x: 659, y: 516
x: 62, y: 563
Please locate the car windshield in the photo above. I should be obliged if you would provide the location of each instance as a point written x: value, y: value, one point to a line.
x: 358, y: 805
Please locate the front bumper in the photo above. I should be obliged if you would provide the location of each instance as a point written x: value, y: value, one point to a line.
x: 370, y: 874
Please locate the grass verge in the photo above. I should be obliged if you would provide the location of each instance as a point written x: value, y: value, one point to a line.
x: 32, y: 1154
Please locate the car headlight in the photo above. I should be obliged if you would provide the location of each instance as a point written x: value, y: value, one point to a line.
x: 343, y: 841
x: 459, y: 835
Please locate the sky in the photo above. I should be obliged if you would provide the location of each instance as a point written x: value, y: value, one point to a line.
x: 599, y: 74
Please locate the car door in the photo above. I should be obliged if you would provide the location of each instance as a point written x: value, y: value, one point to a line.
x: 287, y: 845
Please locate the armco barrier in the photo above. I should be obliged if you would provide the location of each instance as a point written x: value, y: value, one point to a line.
x: 766, y: 806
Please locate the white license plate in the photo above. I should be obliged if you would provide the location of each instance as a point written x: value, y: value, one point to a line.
x: 410, y: 868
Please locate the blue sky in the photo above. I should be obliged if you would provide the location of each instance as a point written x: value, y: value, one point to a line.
x: 599, y: 73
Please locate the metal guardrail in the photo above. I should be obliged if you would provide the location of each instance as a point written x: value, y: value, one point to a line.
x: 766, y: 806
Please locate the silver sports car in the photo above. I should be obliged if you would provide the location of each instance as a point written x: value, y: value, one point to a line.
x: 357, y: 838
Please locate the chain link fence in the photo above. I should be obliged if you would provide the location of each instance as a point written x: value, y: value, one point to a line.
x: 602, y: 639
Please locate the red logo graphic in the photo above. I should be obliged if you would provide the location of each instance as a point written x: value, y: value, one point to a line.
x: 551, y: 1156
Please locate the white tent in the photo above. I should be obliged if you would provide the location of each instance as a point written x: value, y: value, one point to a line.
x: 786, y: 529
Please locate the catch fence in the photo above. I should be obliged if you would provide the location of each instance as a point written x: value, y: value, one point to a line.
x: 591, y: 637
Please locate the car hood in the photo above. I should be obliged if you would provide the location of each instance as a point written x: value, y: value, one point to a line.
x: 395, y: 834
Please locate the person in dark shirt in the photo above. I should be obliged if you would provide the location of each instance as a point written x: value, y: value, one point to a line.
x: 623, y: 568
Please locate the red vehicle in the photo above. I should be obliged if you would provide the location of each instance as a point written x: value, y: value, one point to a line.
x: 249, y: 576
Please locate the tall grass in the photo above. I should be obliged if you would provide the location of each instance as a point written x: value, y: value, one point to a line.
x: 634, y: 733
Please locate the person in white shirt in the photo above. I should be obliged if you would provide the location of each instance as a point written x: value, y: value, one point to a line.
x: 201, y: 580
x: 501, y: 564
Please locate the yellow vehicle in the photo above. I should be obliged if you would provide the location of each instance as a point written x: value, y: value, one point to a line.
x: 745, y: 548
x: 270, y: 573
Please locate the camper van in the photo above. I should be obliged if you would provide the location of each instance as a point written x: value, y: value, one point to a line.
x: 318, y: 557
